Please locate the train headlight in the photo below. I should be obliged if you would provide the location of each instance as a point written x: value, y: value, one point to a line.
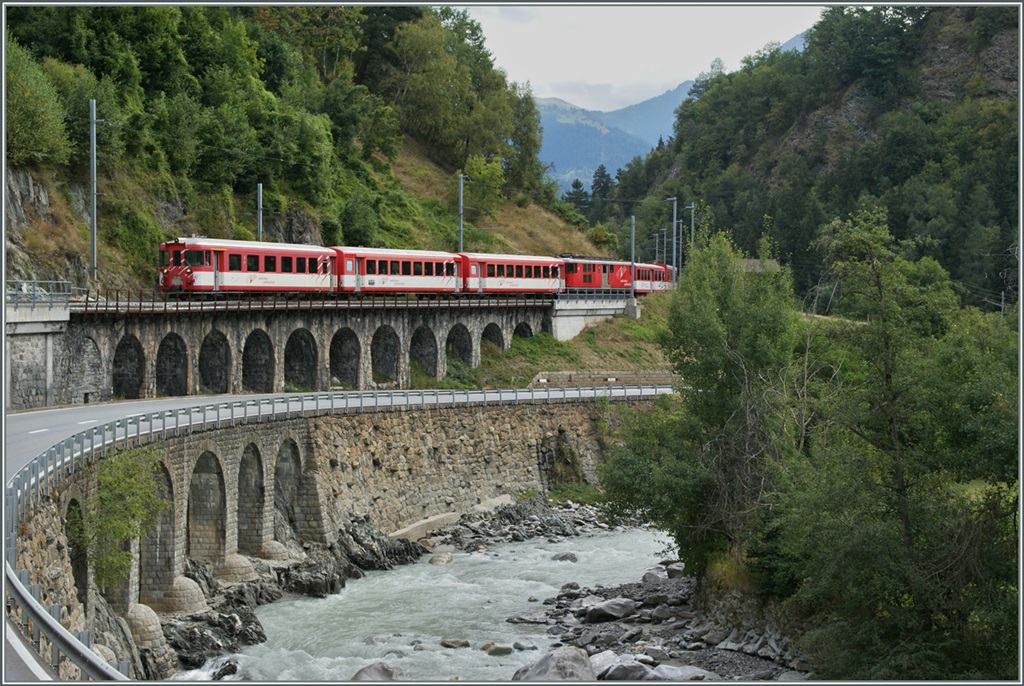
x: 188, y: 271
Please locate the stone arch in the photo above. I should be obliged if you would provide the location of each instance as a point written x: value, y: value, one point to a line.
x: 129, y: 368
x: 492, y: 333
x: 384, y: 354
x: 258, y: 363
x: 459, y: 344
x: 345, y: 353
x: 156, y: 549
x: 78, y: 555
x: 86, y: 371
x: 172, y: 366
x: 423, y: 350
x: 289, y: 493
x: 523, y: 330
x: 300, y: 355
x: 215, y: 363
x: 250, y: 501
x: 207, y: 511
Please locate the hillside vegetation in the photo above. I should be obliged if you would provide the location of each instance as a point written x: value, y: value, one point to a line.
x: 911, y: 109
x: 356, y: 121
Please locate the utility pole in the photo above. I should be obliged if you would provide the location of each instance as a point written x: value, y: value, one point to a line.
x: 259, y: 211
x: 675, y: 259
x: 92, y: 180
x: 655, y: 235
x: 461, y: 177
x: 690, y: 207
x: 632, y: 256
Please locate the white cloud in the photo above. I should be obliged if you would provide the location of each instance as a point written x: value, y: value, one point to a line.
x: 605, y: 57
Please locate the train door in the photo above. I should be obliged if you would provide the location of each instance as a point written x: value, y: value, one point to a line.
x: 352, y: 265
x: 217, y: 255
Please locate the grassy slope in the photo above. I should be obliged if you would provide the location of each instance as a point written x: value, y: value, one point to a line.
x: 620, y: 344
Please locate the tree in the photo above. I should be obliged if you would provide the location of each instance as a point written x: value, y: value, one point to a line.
x: 123, y: 507
x: 35, y: 130
x: 906, y: 569
x: 577, y: 196
x: 702, y: 469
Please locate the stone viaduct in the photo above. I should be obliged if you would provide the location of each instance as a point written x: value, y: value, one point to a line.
x: 72, y: 353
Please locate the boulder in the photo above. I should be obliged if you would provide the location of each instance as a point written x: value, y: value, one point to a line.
x: 610, y: 610
x: 563, y: 664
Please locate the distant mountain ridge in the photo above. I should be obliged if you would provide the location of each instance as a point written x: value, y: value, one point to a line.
x: 576, y: 141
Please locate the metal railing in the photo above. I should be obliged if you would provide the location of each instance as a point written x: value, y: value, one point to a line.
x: 149, y: 302
x: 38, y: 478
x: 37, y: 294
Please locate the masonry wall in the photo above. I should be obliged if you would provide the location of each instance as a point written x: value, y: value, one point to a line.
x: 396, y: 467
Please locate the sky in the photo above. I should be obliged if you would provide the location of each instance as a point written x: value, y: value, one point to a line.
x: 608, y: 56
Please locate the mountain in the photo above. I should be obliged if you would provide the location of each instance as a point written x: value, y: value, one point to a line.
x: 576, y: 141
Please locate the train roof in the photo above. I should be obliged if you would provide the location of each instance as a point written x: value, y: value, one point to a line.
x: 389, y: 252
x: 227, y: 244
x: 511, y: 258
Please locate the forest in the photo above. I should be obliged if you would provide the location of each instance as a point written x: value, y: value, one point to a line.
x: 200, y: 104
x: 913, y: 109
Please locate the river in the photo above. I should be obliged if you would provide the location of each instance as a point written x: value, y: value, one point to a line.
x: 401, y: 616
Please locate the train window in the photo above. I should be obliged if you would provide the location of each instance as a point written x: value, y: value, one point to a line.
x: 300, y: 265
x: 439, y: 269
x: 528, y: 271
x: 349, y: 264
x: 270, y: 263
x: 406, y: 268
x: 428, y: 268
x: 252, y: 263
x: 554, y: 272
x: 449, y: 269
x: 393, y: 267
x: 382, y: 267
x: 570, y: 268
x: 234, y: 263
x: 417, y: 269
x: 286, y: 265
x: 501, y: 270
x: 197, y: 258
x: 326, y: 265
x: 490, y: 270
x: 519, y: 271
x: 370, y: 266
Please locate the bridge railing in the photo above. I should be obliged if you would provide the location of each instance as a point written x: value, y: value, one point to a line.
x: 37, y: 294
x: 37, y: 480
x: 129, y: 302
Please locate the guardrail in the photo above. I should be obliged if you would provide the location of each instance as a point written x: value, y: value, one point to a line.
x: 38, y: 478
x: 37, y: 293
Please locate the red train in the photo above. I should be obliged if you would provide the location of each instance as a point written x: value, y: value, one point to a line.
x: 207, y: 266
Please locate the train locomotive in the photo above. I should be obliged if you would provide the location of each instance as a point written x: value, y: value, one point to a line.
x: 208, y: 267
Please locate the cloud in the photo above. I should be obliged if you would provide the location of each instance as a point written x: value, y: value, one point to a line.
x: 613, y: 53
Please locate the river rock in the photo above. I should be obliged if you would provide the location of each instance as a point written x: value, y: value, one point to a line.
x: 378, y: 671
x: 563, y: 664
x: 610, y: 610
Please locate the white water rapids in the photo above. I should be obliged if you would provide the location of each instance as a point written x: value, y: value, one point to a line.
x: 400, y: 616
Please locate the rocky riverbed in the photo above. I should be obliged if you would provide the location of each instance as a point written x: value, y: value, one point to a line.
x: 655, y: 628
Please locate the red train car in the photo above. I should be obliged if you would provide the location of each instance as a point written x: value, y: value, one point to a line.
x: 382, y: 270
x: 484, y: 273
x: 209, y: 266
x: 596, y: 274
x: 653, y: 278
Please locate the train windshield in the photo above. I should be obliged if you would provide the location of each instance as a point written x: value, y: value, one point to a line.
x: 197, y: 258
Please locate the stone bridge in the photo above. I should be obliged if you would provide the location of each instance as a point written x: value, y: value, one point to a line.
x: 101, y: 351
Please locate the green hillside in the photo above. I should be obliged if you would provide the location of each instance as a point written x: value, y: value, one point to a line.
x: 356, y: 121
